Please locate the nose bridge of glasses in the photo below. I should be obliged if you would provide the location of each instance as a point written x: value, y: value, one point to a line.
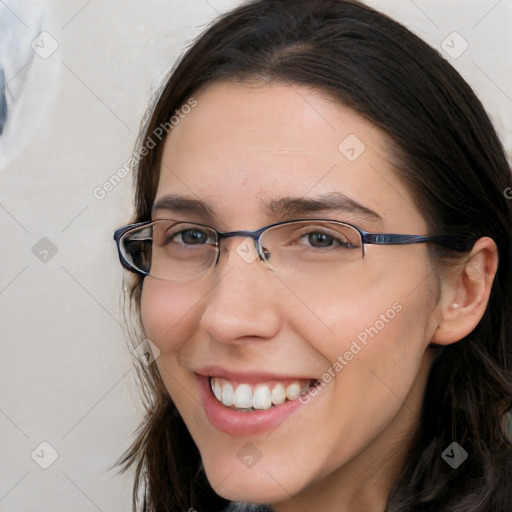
x: 244, y: 233
x: 241, y: 248
x: 254, y: 235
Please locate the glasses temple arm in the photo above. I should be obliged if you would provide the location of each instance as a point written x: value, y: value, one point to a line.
x: 461, y: 243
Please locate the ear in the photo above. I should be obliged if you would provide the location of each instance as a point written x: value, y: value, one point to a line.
x: 465, y: 290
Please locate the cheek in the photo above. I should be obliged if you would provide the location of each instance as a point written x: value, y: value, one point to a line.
x: 378, y: 335
x: 383, y: 300
x: 167, y: 313
x: 376, y: 350
x: 168, y: 317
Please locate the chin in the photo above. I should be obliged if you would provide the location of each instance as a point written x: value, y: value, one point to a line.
x: 263, y: 485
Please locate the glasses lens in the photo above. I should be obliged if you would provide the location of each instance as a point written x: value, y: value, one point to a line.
x: 308, y: 247
x: 175, y: 251
x: 136, y: 248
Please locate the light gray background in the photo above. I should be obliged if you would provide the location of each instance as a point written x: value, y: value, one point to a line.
x: 65, y: 370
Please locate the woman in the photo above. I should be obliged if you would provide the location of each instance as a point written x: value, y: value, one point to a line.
x: 321, y: 258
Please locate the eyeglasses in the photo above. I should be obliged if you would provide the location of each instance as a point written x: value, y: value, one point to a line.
x: 181, y: 251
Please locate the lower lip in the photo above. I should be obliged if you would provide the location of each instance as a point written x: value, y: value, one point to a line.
x: 236, y: 423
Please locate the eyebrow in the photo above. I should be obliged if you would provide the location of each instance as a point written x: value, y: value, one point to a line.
x: 331, y: 201
x: 283, y: 207
x: 180, y: 204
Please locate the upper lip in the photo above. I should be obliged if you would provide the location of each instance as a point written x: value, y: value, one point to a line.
x: 247, y: 376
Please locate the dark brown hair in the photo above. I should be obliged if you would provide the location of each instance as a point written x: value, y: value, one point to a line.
x: 448, y: 155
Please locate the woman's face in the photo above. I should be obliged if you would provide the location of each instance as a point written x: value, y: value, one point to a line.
x: 247, y: 156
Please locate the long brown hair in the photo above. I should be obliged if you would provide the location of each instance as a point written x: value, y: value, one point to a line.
x: 448, y: 155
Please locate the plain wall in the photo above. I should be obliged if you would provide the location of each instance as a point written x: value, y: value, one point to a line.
x: 66, y: 376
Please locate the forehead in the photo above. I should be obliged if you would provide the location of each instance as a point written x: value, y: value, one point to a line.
x: 248, y: 144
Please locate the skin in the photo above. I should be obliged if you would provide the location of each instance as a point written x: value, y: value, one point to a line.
x: 243, y: 145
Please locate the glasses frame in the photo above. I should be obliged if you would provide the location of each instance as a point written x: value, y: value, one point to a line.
x: 460, y: 243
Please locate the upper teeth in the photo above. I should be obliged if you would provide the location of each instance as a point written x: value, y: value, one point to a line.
x: 260, y: 396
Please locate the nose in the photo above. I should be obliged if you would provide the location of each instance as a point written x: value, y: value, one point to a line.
x: 243, y: 305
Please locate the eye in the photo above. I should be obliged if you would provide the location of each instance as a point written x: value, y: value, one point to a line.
x: 323, y: 240
x: 192, y: 236
x: 319, y: 239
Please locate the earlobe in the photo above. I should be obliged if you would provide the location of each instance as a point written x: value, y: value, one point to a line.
x: 465, y: 292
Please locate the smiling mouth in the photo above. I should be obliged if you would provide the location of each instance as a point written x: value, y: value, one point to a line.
x: 244, y: 397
